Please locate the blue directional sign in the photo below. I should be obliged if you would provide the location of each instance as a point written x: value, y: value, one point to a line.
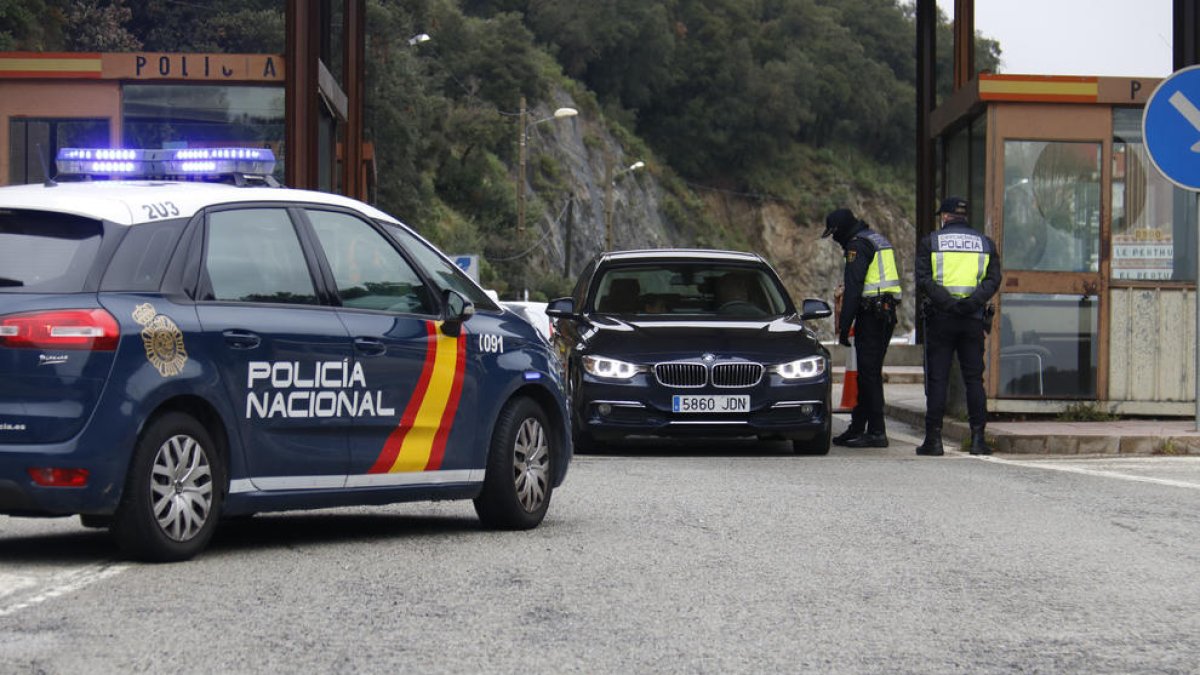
x: 1171, y: 128
x: 468, y: 263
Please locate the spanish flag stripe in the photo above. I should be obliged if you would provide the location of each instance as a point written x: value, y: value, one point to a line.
x: 418, y: 443
x: 60, y: 65
x: 447, y: 423
x: 391, y: 448
x: 1039, y: 87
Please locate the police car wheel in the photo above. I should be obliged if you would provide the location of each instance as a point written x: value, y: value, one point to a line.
x: 173, y: 492
x: 517, y: 485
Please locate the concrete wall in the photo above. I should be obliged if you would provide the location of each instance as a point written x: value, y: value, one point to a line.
x: 1152, y: 337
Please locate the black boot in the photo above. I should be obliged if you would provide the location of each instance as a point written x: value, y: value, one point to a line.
x: 979, y: 444
x: 849, y: 434
x: 932, y: 446
x: 871, y: 439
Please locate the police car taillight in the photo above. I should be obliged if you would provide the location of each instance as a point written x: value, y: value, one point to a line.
x: 53, y: 476
x: 76, y: 329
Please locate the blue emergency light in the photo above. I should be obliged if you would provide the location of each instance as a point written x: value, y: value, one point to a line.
x: 101, y: 162
x: 165, y: 163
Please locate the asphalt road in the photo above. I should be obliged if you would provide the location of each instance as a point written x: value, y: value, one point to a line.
x: 726, y: 557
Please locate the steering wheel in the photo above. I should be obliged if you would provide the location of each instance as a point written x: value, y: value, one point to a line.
x: 740, y: 307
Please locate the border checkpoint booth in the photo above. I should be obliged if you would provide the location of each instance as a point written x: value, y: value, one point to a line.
x: 1098, y: 249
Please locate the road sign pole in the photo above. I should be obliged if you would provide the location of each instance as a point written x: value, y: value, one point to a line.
x: 1171, y: 132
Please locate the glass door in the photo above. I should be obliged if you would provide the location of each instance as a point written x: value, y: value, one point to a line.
x: 1052, y: 220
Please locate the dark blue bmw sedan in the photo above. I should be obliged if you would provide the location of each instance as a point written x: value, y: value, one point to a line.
x: 676, y: 342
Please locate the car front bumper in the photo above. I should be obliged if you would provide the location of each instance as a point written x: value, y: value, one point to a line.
x: 608, y: 411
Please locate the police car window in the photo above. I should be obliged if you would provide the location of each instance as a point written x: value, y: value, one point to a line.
x: 369, y: 272
x: 254, y: 255
x: 43, y: 252
x: 445, y: 274
x: 140, y: 262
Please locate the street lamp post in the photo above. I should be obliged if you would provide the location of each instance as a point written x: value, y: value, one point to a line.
x: 523, y: 128
x: 610, y: 181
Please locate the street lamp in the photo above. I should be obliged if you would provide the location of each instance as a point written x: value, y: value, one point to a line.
x: 418, y: 39
x: 608, y: 197
x: 523, y: 127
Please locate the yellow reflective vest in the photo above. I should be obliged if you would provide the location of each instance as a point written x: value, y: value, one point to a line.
x: 882, y: 275
x: 960, y: 260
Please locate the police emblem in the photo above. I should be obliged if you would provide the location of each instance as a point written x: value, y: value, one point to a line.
x: 851, y: 255
x: 162, y: 339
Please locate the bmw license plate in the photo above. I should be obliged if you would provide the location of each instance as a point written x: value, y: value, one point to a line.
x: 721, y: 403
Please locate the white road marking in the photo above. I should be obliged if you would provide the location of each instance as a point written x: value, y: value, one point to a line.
x: 1052, y: 466
x: 14, y: 590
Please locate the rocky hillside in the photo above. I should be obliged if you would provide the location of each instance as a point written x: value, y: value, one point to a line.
x: 653, y: 208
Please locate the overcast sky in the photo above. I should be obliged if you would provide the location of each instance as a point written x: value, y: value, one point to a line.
x: 1077, y: 37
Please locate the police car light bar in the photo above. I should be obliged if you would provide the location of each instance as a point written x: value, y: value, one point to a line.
x: 218, y: 161
x: 101, y: 162
x: 181, y: 162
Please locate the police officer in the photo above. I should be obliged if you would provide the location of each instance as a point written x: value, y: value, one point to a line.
x: 958, y: 269
x: 872, y: 292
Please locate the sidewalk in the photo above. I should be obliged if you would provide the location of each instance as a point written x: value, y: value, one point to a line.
x: 904, y: 401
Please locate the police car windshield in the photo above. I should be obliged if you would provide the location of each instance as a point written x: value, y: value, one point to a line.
x: 46, y: 252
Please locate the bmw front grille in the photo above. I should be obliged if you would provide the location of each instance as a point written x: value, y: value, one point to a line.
x: 694, y: 375
x: 736, y: 374
x: 681, y: 374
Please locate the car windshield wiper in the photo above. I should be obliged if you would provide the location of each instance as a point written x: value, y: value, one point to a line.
x: 4, y: 281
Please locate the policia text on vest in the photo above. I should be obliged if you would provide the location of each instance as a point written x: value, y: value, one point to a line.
x: 958, y: 269
x: 872, y: 292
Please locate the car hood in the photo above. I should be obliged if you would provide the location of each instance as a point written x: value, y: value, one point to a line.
x: 775, y: 340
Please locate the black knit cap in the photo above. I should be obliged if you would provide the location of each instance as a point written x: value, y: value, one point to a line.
x: 837, y: 220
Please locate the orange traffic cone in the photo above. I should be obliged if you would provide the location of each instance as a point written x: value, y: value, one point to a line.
x: 850, y: 379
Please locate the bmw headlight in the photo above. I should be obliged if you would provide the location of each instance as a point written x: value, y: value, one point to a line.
x: 613, y: 369
x: 801, y: 369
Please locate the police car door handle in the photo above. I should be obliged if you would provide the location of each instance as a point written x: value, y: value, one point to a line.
x: 369, y: 346
x: 239, y: 339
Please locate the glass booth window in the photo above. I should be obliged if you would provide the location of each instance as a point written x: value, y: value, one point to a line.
x: 1051, y: 206
x: 195, y: 115
x: 1048, y: 345
x: 1153, y: 221
x: 34, y: 143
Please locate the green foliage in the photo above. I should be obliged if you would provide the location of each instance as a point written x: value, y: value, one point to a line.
x: 803, y: 102
x: 24, y: 25
x: 1085, y: 411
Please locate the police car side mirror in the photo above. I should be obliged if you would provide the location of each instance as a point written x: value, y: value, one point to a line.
x: 561, y: 308
x: 458, y: 310
x: 815, y: 309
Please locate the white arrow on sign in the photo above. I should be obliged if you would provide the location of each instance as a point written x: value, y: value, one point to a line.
x: 1189, y: 112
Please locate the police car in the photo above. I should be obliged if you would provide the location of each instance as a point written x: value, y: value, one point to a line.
x: 175, y: 350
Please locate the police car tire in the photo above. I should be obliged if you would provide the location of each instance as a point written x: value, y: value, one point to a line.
x: 135, y: 525
x: 499, y: 504
x: 818, y: 444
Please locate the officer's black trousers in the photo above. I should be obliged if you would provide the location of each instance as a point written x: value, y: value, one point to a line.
x: 946, y: 335
x: 872, y: 332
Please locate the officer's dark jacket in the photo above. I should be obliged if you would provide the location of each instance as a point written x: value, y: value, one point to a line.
x: 942, y: 300
x: 853, y: 240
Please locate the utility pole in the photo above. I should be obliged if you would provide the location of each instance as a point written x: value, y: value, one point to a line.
x: 608, y: 201
x: 521, y: 169
x: 567, y: 238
